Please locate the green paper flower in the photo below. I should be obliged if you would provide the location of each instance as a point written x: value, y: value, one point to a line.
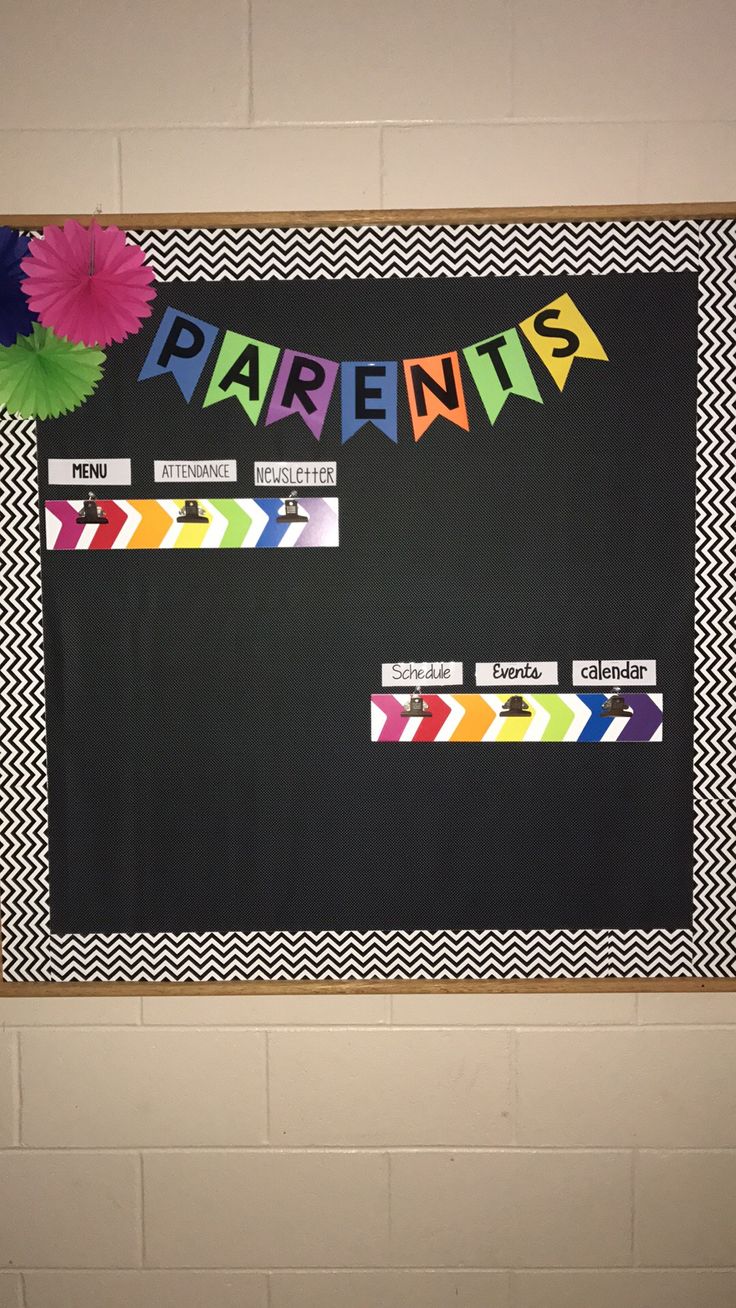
x: 43, y: 375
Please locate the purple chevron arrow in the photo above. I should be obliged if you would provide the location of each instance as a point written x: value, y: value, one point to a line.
x: 394, y: 724
x: 323, y: 525
x: 646, y: 718
x: 71, y: 530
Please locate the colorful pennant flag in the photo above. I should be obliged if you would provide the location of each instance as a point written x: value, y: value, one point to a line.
x: 435, y: 389
x: 500, y: 368
x: 181, y: 346
x: 304, y: 385
x: 560, y: 334
x: 369, y: 394
x: 243, y: 371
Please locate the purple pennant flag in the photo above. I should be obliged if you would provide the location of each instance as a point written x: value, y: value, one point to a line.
x: 304, y: 385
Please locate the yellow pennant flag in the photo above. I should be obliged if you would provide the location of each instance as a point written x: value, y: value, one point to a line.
x: 559, y: 334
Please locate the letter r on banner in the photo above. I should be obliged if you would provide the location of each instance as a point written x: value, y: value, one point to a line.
x: 304, y: 384
x: 181, y: 346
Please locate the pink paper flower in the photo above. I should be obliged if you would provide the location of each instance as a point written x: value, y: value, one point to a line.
x: 87, y: 283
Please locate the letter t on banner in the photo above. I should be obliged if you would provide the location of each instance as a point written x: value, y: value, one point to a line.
x: 304, y: 384
x: 369, y: 395
x: 181, y: 346
x: 500, y: 368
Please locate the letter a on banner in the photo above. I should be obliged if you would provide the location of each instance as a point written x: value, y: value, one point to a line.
x: 243, y: 370
x: 500, y: 368
x: 303, y: 385
x: 559, y: 334
x: 434, y: 387
x: 181, y: 346
x: 369, y: 395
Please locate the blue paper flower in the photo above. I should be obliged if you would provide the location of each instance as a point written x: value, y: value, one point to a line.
x: 16, y: 318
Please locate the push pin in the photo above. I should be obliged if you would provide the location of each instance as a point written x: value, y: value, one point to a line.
x: 417, y: 707
x: 91, y: 513
x: 291, y: 511
x: 616, y: 707
x: 192, y: 512
x: 516, y: 707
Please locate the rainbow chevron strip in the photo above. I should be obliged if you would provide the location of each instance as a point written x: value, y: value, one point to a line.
x: 477, y: 718
x: 152, y: 525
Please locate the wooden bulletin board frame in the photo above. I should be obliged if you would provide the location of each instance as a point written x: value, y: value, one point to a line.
x: 718, y: 977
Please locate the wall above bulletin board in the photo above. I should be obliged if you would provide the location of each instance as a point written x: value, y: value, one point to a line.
x: 369, y: 608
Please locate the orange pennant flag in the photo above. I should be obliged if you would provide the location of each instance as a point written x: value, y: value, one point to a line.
x: 435, y: 389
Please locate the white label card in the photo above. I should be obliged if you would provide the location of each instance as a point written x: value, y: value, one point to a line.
x: 183, y: 470
x: 89, y: 472
x: 426, y: 673
x: 504, y: 672
x: 295, y: 476
x: 614, y: 672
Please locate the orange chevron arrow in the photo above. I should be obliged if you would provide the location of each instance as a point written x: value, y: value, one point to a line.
x: 476, y: 719
x: 153, y: 526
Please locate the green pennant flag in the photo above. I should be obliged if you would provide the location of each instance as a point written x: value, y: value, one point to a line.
x: 243, y: 371
x: 500, y: 368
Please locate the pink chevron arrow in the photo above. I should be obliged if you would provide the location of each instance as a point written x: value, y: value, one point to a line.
x: 71, y: 530
x: 394, y: 724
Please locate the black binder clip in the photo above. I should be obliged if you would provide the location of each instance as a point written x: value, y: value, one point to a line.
x: 616, y: 707
x: 91, y: 514
x: 417, y: 707
x: 291, y: 512
x: 516, y: 707
x: 192, y: 512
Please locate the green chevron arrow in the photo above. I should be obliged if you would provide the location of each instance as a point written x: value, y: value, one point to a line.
x: 560, y: 716
x: 238, y: 522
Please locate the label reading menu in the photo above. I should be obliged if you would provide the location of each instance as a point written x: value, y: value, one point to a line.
x: 89, y: 472
x: 614, y: 672
x: 192, y: 470
x: 502, y: 672
x: 427, y: 673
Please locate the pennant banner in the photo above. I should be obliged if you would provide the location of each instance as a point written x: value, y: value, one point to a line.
x: 304, y: 385
x: 243, y: 372
x: 560, y: 334
x: 435, y: 388
x: 181, y: 346
x: 500, y: 368
x: 190, y: 524
x: 369, y: 394
x: 514, y: 718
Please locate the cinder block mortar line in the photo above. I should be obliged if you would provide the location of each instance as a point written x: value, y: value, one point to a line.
x: 353, y: 1149
x: 23, y: 1294
x: 381, y: 175
x: 513, y: 1054
x: 119, y: 191
x: 19, y: 1091
x: 634, y: 1176
x: 114, y: 128
x: 511, y: 22
x: 267, y: 1074
x: 142, y: 1211
x: 249, y: 61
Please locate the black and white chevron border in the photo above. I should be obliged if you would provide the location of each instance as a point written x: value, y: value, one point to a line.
x: 31, y: 953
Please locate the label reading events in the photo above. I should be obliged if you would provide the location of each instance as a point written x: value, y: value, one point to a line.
x: 614, y: 672
x: 425, y: 673
x: 89, y: 472
x: 312, y: 473
x: 503, y: 672
x: 183, y: 470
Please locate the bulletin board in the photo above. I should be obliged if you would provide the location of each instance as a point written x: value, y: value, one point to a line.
x: 373, y: 622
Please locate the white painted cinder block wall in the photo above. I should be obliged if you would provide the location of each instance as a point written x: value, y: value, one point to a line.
x: 415, y: 1152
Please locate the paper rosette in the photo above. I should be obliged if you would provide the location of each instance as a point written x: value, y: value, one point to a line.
x: 88, y: 284
x: 16, y: 318
x: 43, y: 375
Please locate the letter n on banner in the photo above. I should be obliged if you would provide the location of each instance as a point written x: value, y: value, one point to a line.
x: 560, y: 334
x: 243, y: 370
x: 181, y: 346
x: 304, y: 385
x: 435, y: 389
